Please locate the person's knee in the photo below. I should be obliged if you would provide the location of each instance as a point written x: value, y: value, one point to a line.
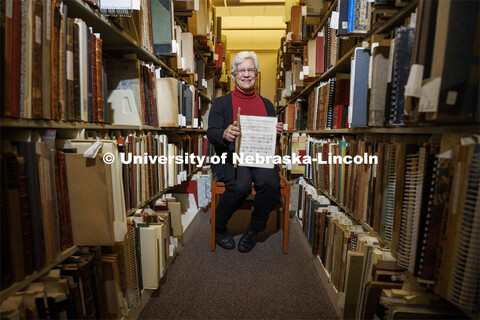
x: 269, y: 185
x: 240, y: 190
x: 244, y: 189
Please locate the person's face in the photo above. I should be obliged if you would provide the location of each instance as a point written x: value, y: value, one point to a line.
x: 245, y: 76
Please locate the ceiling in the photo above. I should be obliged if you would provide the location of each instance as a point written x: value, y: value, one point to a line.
x: 235, y: 3
x: 253, y: 27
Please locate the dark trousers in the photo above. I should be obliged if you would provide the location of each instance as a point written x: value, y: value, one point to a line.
x: 266, y: 183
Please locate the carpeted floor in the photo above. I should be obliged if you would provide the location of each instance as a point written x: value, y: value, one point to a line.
x: 261, y: 284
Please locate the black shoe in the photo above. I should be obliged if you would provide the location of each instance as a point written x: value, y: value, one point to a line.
x: 225, y: 240
x: 247, y: 241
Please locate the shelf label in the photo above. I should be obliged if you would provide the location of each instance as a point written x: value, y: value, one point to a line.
x: 451, y: 97
x: 413, y: 20
x: 289, y: 36
x: 306, y: 70
x: 174, y: 46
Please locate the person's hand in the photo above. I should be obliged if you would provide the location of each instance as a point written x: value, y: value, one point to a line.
x: 231, y: 132
x: 279, y: 127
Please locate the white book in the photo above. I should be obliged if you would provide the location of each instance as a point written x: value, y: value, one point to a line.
x: 149, y: 257
x: 167, y: 102
x: 187, y: 52
x: 82, y: 41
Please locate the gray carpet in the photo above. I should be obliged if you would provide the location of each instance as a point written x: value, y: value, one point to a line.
x: 261, y: 284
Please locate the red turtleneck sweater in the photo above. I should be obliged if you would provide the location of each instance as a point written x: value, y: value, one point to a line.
x: 250, y: 103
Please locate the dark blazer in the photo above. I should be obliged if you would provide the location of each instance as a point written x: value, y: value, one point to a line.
x: 220, y: 117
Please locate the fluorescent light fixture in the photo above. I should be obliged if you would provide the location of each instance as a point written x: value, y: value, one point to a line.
x: 261, y: 1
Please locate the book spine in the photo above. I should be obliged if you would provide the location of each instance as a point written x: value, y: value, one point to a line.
x: 37, y: 112
x: 16, y: 49
x: 25, y: 217
x: 77, y: 97
x: 99, y: 62
x: 93, y: 60
x: 46, y: 61
x: 89, y: 76
x: 54, y: 59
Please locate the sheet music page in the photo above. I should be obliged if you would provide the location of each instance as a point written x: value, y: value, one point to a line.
x: 258, y: 136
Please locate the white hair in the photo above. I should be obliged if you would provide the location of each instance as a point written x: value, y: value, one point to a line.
x: 241, y: 57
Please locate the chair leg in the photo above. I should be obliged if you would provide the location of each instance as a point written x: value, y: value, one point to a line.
x: 278, y: 216
x: 286, y: 223
x: 212, y: 217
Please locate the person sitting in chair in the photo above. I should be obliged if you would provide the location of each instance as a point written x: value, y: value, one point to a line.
x: 222, y: 132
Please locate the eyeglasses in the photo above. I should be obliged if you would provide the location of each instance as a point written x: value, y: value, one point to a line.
x: 243, y: 71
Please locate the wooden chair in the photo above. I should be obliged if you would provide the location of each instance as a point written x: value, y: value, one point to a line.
x: 283, y: 206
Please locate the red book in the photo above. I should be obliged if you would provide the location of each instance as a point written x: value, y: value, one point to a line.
x: 99, y: 75
x: 219, y: 55
x: 335, y: 117
x: 93, y: 59
x: 154, y: 117
x: 320, y: 48
x: 37, y: 61
x: 291, y: 116
x: 342, y: 91
x: 296, y: 23
x: 16, y: 39
x: 143, y: 98
x: 187, y: 187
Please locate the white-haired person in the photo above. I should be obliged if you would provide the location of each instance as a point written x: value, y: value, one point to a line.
x: 222, y: 132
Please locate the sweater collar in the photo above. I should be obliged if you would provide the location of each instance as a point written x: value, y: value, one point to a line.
x: 242, y: 95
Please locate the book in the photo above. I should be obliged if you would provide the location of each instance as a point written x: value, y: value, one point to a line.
x: 37, y: 102
x: 358, y: 109
x: 92, y: 228
x: 168, y: 113
x: 402, y: 52
x: 162, y: 26
x: 456, y: 87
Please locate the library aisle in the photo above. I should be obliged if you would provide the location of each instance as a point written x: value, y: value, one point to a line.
x: 261, y: 284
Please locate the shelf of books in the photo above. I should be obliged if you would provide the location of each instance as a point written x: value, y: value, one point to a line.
x: 118, y: 33
x: 336, y: 297
x: 96, y: 123
x: 424, y: 130
x: 17, y: 286
x: 390, y: 92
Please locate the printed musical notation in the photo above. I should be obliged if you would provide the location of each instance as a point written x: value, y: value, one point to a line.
x: 258, y: 139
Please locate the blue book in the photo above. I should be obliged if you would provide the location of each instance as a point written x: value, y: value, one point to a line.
x: 360, y: 66
x: 162, y: 26
x: 358, y: 16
